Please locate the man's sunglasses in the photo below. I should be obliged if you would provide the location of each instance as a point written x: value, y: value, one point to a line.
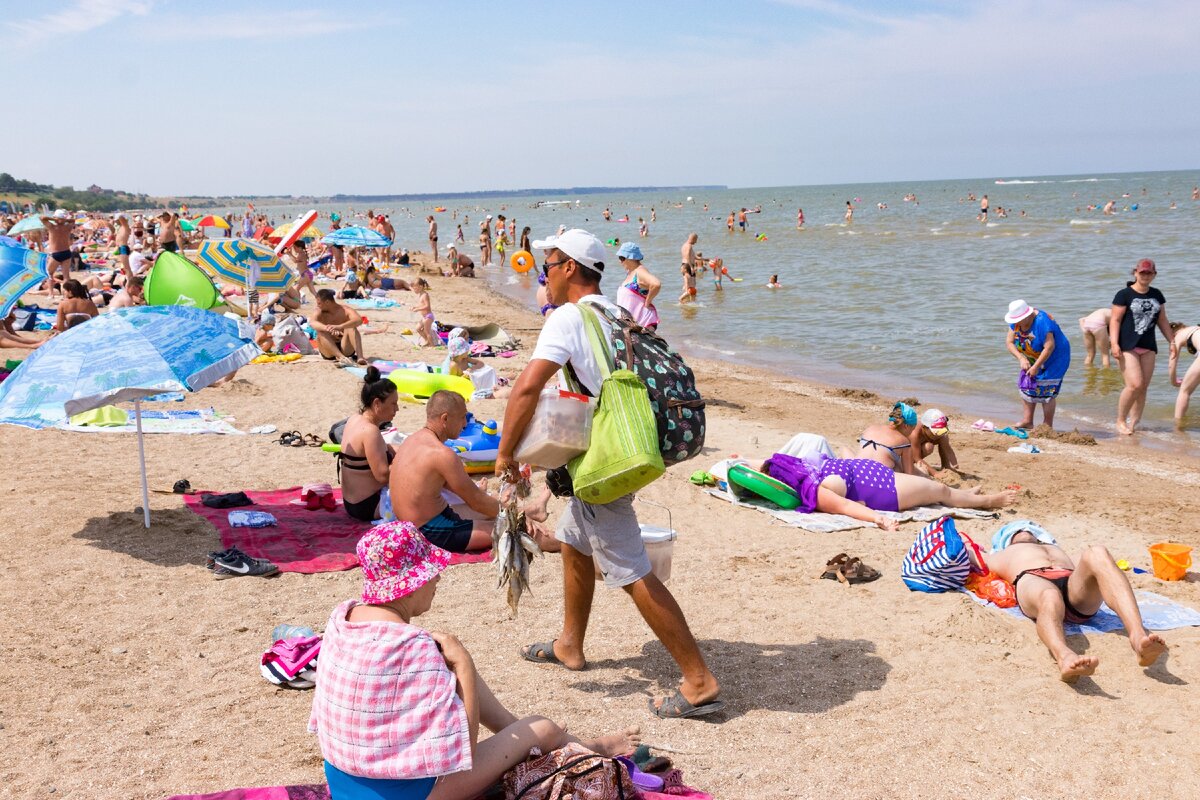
x: 549, y: 265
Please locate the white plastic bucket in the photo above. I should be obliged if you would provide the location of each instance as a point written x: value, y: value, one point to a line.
x: 660, y: 547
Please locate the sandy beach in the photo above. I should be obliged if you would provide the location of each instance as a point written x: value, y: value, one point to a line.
x: 132, y: 673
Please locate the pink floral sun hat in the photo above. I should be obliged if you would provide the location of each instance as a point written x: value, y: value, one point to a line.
x: 396, y: 561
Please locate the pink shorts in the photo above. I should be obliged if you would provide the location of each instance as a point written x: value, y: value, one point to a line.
x: 1137, y: 351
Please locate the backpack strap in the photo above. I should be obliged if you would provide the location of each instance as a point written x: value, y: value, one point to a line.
x: 595, y: 335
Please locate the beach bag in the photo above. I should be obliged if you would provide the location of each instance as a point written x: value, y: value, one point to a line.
x: 288, y: 332
x: 571, y: 772
x: 670, y: 383
x: 623, y: 454
x: 292, y: 662
x: 938, y: 560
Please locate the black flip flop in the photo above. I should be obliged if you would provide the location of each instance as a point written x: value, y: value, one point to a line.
x: 677, y: 707
x: 543, y: 653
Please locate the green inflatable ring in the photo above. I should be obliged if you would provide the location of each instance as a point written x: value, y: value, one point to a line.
x: 175, y: 281
x: 424, y: 384
x: 764, y: 486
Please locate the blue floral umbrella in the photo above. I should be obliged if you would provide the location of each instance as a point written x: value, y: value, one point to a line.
x: 20, y: 270
x: 354, y: 236
x: 123, y: 355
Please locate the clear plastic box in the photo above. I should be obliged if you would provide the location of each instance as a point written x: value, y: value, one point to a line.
x: 560, y: 429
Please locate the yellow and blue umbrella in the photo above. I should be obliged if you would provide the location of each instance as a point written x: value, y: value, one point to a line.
x: 237, y: 261
x: 20, y: 270
x: 311, y: 232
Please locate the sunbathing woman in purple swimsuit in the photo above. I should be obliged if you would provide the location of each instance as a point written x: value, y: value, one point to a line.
x: 859, y: 487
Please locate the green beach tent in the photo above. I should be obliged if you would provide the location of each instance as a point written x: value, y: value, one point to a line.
x: 175, y: 281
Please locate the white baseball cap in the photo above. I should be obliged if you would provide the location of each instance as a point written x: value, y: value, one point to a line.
x: 937, y: 422
x: 580, y: 245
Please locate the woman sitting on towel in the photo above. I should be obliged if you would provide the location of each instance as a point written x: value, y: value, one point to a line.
x: 397, y: 709
x: 861, y: 487
x: 379, y: 285
x: 365, y: 461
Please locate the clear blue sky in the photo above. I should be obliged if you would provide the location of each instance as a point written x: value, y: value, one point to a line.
x: 174, y: 97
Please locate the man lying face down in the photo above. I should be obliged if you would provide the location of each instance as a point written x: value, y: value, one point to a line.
x: 1052, y: 589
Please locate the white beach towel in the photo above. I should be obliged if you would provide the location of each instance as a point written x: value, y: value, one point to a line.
x: 819, y: 522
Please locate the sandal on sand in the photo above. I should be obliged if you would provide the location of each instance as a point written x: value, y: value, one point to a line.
x: 677, y: 707
x: 290, y: 439
x: 312, y: 440
x: 850, y: 570
x: 543, y: 653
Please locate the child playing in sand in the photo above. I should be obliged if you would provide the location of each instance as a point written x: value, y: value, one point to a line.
x: 424, y: 308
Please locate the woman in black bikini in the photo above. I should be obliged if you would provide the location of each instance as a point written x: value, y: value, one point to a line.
x: 1186, y: 337
x: 365, y: 461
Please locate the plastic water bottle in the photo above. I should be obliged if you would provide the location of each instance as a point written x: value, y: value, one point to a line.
x: 288, y: 631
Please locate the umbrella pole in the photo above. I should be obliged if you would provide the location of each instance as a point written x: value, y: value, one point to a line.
x: 137, y: 415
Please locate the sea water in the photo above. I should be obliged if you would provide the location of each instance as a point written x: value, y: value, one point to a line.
x: 907, y: 299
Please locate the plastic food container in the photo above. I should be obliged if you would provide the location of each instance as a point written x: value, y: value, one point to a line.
x: 660, y: 547
x: 560, y: 429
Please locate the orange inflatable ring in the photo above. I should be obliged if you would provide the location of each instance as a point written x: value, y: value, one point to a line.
x: 521, y: 261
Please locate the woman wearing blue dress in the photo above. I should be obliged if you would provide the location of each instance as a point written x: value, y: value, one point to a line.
x: 1044, y: 354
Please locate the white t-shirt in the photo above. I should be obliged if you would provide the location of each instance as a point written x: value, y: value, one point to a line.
x: 564, y: 338
x: 138, y: 263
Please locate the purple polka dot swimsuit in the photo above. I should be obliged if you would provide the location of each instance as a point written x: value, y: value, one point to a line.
x: 867, y: 481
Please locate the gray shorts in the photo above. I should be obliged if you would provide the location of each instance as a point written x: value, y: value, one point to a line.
x: 610, y: 533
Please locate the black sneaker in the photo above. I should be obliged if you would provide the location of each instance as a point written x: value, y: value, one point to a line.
x: 210, y: 561
x: 240, y: 564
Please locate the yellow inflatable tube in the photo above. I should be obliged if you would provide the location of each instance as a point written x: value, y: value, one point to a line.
x: 424, y: 384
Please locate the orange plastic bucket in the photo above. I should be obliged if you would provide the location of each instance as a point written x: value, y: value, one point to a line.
x: 1170, y: 560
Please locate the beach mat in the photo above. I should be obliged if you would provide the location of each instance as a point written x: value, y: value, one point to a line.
x: 1158, y: 614
x: 303, y: 541
x: 818, y: 522
x: 310, y: 791
x: 195, y: 421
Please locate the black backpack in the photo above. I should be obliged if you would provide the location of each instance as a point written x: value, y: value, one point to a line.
x: 677, y: 404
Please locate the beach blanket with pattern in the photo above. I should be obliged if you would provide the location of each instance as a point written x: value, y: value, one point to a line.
x: 1158, y: 614
x: 818, y: 522
x: 303, y: 541
x: 205, y: 420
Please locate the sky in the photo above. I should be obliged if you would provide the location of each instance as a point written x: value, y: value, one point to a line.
x: 170, y: 97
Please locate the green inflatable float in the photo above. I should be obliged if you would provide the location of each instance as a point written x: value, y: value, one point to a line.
x: 764, y: 486
x: 175, y: 281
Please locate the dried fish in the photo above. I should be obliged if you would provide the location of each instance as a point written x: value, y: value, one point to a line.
x: 512, y: 546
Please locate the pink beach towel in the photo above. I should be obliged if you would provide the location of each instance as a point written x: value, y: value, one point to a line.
x: 312, y: 791
x: 303, y: 541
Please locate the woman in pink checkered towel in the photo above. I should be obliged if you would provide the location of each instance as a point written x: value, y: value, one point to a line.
x: 397, y: 709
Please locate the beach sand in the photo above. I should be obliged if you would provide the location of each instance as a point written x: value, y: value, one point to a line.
x: 131, y: 673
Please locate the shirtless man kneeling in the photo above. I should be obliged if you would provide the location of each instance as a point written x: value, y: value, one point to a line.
x: 424, y: 466
x: 1051, y: 589
x: 337, y: 329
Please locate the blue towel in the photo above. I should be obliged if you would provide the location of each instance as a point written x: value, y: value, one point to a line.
x: 251, y: 519
x: 165, y: 397
x: 1158, y: 614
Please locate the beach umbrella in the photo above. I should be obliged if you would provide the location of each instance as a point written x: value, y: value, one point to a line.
x: 311, y: 232
x: 20, y: 270
x: 184, y: 225
x: 32, y: 223
x: 236, y: 260
x: 211, y: 221
x: 124, y: 355
x: 355, y: 236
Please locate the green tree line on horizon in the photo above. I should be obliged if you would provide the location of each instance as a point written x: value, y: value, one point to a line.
x: 71, y: 198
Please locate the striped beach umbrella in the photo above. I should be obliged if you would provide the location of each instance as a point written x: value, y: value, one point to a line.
x: 237, y: 261
x: 211, y: 221
x: 311, y: 232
